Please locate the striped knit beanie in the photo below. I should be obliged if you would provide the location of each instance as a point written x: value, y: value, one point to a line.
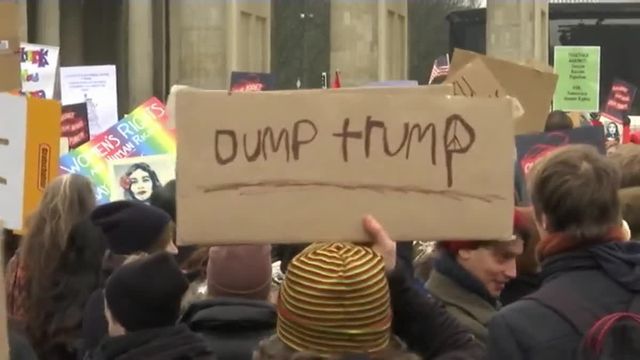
x: 335, y: 299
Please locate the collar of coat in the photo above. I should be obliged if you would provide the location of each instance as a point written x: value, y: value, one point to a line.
x: 452, y: 294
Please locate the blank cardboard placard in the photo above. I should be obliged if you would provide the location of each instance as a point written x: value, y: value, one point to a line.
x: 29, y: 152
x: 532, y: 87
x: 9, y: 47
x: 305, y: 167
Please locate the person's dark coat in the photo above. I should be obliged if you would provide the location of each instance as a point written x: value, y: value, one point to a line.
x: 19, y: 346
x: 94, y: 323
x: 521, y: 286
x: 605, y: 278
x: 469, y: 309
x: 167, y: 343
x: 233, y: 327
x: 426, y: 327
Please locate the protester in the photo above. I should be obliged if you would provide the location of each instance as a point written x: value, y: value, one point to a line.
x: 142, y: 305
x: 627, y: 159
x: 165, y: 198
x: 54, y: 322
x: 66, y: 200
x: 469, y: 276
x: 588, y: 270
x: 528, y: 278
x: 129, y: 227
x: 418, y: 320
x: 237, y: 315
x: 558, y: 120
x: 334, y: 301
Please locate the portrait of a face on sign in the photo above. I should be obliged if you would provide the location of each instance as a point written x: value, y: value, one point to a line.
x: 612, y: 131
x: 137, y: 178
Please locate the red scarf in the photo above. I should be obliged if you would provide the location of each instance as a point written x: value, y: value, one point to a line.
x: 557, y: 243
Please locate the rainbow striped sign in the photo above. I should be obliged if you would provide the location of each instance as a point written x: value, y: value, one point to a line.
x: 143, y: 132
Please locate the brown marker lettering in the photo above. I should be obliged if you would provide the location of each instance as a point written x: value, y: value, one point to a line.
x: 452, y: 144
x: 296, y: 142
x: 422, y: 133
x: 234, y: 146
x: 345, y: 135
x: 283, y: 137
x: 256, y: 152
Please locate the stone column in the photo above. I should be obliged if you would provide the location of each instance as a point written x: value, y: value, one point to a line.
x: 47, y: 28
x: 197, y: 53
x: 369, y: 40
x: 22, y: 21
x: 518, y: 30
x: 140, y: 54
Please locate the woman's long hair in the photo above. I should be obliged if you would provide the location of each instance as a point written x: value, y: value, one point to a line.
x: 54, y: 326
x: 67, y: 200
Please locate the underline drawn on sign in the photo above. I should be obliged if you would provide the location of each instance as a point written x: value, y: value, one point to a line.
x: 246, y: 188
x: 3, y: 141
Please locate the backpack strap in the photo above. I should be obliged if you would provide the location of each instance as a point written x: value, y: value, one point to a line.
x: 566, y: 305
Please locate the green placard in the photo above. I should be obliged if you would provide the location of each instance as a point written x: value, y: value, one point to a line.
x: 578, y: 69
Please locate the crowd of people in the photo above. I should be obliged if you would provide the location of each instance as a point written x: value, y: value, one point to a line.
x: 109, y: 282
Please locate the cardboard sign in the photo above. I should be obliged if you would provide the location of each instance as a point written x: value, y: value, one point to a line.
x: 435, y: 90
x: 533, y: 88
x: 393, y: 83
x: 75, y: 125
x: 248, y: 81
x: 4, y: 341
x: 620, y: 99
x: 532, y: 148
x: 300, y: 167
x: 9, y: 47
x: 141, y: 133
x: 137, y: 178
x: 96, y: 86
x: 475, y: 79
x: 38, y: 66
x: 578, y: 69
x: 29, y: 147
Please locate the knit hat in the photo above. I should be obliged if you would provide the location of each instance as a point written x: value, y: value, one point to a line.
x: 241, y: 271
x: 146, y: 293
x: 130, y: 226
x: 335, y: 299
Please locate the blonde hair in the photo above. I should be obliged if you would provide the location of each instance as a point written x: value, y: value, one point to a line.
x: 67, y: 200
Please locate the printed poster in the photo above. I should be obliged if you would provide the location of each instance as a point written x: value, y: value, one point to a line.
x: 75, y: 125
x: 248, y: 81
x: 578, y: 69
x: 533, y: 147
x: 38, y: 66
x: 137, y: 178
x: 619, y: 102
x: 96, y: 86
x: 141, y: 133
